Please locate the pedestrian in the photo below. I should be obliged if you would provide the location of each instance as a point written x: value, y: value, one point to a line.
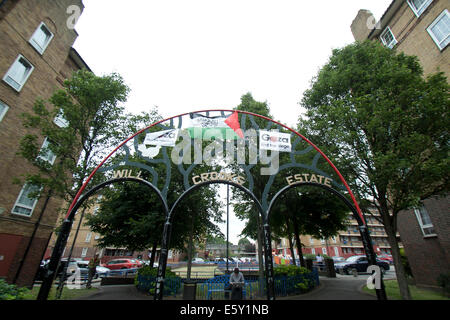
x: 93, y: 263
x: 237, y: 281
x: 319, y: 258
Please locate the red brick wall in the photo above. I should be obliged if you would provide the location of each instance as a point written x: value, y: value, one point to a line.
x: 428, y: 256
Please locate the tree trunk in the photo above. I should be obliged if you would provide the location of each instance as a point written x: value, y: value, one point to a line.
x: 291, y: 247
x: 153, y: 255
x: 399, y: 269
x: 299, y: 245
x: 191, y: 245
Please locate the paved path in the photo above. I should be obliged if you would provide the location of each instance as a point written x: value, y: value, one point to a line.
x: 330, y: 289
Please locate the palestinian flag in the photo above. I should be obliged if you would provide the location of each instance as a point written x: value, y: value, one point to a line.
x: 209, y: 128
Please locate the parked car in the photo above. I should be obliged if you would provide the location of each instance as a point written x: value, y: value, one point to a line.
x: 116, y: 264
x: 338, y: 259
x: 359, y: 263
x: 78, y: 266
x: 198, y: 260
x: 386, y: 257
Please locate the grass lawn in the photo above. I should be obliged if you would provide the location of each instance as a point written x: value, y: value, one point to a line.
x: 393, y: 292
x: 67, y: 294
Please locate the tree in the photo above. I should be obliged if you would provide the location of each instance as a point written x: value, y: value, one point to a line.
x: 385, y: 127
x: 89, y: 110
x: 311, y: 211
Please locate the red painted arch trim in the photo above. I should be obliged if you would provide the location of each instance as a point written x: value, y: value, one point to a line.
x: 219, y: 110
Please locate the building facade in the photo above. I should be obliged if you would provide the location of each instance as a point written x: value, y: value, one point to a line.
x: 420, y: 28
x: 36, y: 56
x: 346, y: 244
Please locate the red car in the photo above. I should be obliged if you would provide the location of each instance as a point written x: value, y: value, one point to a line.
x: 386, y: 257
x: 122, y: 264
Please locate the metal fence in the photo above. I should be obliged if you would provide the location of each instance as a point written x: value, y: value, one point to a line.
x: 208, y: 289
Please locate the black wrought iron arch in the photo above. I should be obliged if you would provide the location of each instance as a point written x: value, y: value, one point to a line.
x: 270, y: 289
x: 364, y: 231
x: 66, y: 226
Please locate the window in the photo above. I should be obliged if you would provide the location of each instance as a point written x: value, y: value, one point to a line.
x: 18, y: 73
x: 388, y: 39
x: 3, y: 109
x: 41, y: 38
x: 439, y: 30
x: 424, y: 221
x: 25, y: 204
x: 84, y: 252
x: 60, y: 121
x: 324, y: 250
x: 47, y: 154
x: 419, y: 6
x: 313, y: 251
x: 336, y: 251
x: 88, y: 237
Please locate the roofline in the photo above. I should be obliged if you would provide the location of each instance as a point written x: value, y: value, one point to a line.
x: 387, y: 16
x: 76, y: 57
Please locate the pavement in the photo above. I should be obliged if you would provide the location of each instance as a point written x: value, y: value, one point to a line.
x: 343, y: 287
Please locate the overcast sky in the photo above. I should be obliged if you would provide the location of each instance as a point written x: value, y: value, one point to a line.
x: 187, y: 55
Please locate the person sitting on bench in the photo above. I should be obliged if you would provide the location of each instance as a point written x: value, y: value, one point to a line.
x: 237, y: 281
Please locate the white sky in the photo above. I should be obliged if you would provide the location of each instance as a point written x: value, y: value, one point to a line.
x: 187, y: 55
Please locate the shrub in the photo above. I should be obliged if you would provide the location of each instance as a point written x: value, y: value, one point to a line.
x: 289, y: 270
x: 12, y: 292
x: 145, y: 279
x: 405, y: 263
x: 310, y: 256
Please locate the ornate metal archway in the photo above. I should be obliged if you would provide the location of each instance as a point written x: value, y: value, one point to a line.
x: 233, y: 135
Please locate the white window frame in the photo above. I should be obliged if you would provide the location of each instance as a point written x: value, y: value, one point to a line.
x: 60, y: 121
x: 18, y: 204
x: 324, y: 251
x: 8, y: 78
x: 423, y: 226
x: 4, y: 111
x: 45, y: 144
x: 84, y: 252
x: 37, y: 45
x: 88, y: 237
x: 391, y: 44
x: 336, y: 252
x: 421, y: 9
x: 443, y: 44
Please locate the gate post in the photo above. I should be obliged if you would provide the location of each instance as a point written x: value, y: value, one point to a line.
x: 54, y: 260
x: 269, y: 263
x: 372, y: 259
x: 159, y: 292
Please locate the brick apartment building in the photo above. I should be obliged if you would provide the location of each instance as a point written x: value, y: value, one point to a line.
x: 346, y: 244
x: 420, y: 28
x: 36, y: 56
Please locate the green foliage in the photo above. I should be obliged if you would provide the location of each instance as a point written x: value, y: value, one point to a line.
x: 290, y: 270
x: 90, y: 105
x: 385, y: 126
x: 310, y: 256
x: 146, y: 280
x: 405, y: 263
x: 12, y: 292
